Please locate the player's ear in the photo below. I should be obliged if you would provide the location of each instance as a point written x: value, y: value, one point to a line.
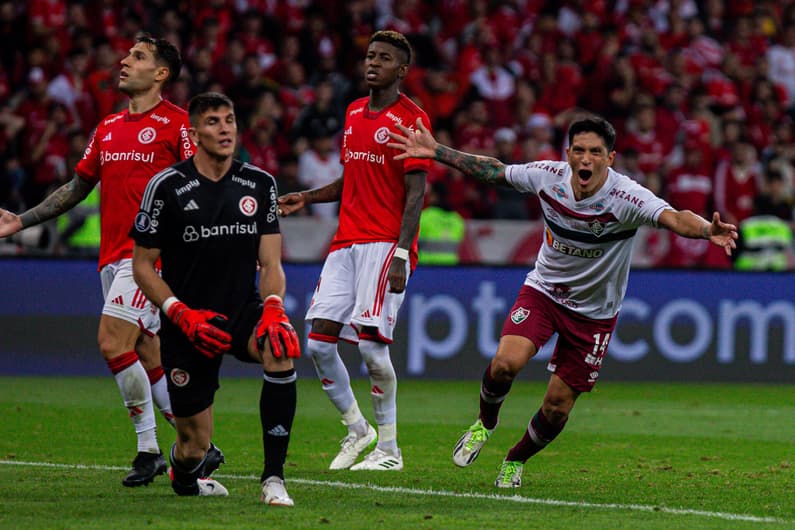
x: 162, y: 73
x: 194, y: 136
x: 403, y: 71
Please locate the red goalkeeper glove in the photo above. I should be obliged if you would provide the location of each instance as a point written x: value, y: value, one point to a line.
x: 195, y: 324
x: 275, y: 326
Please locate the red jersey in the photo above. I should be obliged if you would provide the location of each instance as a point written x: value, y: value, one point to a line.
x: 125, y: 151
x: 374, y: 190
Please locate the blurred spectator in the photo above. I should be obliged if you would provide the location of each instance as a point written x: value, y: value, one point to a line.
x: 689, y: 186
x: 736, y: 183
x: 441, y: 230
x: 320, y: 165
x: 508, y: 204
x: 322, y: 115
x: 775, y: 197
x: 781, y: 59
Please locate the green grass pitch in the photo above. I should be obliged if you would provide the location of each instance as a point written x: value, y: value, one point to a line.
x: 632, y: 456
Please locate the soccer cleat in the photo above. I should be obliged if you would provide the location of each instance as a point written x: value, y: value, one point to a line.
x: 211, y: 487
x: 510, y: 475
x: 468, y: 447
x: 274, y: 493
x: 145, y: 468
x: 213, y: 460
x: 351, y: 447
x: 380, y: 460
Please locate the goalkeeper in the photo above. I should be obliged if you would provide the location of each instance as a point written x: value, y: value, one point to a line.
x: 212, y: 220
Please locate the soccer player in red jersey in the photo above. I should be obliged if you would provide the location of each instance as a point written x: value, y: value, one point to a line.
x: 125, y: 151
x: 363, y: 280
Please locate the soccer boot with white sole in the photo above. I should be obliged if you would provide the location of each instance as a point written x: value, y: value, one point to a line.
x: 468, y: 447
x: 510, y: 475
x: 380, y: 460
x: 351, y: 447
x: 145, y: 468
x: 274, y: 493
x: 210, y: 487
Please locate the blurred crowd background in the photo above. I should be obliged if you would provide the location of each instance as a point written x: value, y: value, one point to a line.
x: 702, y: 93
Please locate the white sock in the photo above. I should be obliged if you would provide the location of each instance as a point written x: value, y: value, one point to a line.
x: 383, y: 390
x: 387, y: 438
x: 160, y: 394
x: 355, y: 421
x: 332, y: 373
x: 136, y: 392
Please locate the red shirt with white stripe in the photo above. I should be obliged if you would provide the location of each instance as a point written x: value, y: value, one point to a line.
x: 125, y: 151
x: 374, y: 190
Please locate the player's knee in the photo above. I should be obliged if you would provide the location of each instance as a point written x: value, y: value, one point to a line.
x: 556, y: 411
x: 376, y: 358
x: 504, y: 369
x: 322, y: 348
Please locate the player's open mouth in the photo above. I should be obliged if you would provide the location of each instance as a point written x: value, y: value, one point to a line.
x: 371, y: 74
x: 585, y: 174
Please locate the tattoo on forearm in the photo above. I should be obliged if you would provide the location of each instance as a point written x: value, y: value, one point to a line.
x: 484, y: 168
x: 58, y: 202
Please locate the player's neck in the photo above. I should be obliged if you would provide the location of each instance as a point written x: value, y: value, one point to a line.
x: 381, y: 99
x: 144, y: 102
x: 212, y: 167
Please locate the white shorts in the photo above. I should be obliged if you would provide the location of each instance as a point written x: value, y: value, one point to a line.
x: 353, y: 289
x: 125, y: 300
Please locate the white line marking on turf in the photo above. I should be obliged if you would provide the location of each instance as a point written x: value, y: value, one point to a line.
x: 454, y: 494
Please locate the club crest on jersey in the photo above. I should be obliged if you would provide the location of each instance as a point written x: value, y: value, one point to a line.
x: 248, y: 205
x: 596, y: 227
x: 179, y: 377
x: 147, y: 135
x: 142, y: 222
x: 381, y: 135
x: 519, y: 315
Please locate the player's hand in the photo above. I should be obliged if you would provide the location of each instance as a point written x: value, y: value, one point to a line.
x: 10, y: 223
x: 291, y: 202
x: 418, y: 143
x: 397, y: 275
x: 723, y: 234
x: 195, y: 324
x: 275, y: 326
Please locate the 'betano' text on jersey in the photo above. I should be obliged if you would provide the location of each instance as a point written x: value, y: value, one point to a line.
x: 374, y: 190
x: 125, y: 151
x: 208, y: 233
x: 585, y: 257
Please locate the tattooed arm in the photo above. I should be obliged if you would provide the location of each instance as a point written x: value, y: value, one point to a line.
x: 58, y: 202
x: 420, y: 143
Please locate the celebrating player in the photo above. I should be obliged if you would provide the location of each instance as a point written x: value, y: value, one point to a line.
x: 212, y: 219
x: 591, y: 213
x: 125, y: 150
x: 364, y: 278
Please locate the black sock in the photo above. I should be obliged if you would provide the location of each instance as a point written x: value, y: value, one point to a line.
x: 183, y: 481
x: 492, y: 394
x: 276, y: 411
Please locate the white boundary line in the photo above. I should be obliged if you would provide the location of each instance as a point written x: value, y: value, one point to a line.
x: 453, y: 494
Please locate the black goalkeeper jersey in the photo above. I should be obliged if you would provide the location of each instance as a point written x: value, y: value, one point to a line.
x: 208, y: 233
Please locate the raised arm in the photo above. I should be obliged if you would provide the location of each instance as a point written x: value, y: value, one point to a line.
x: 420, y: 143
x: 687, y: 224
x: 292, y: 202
x: 56, y: 203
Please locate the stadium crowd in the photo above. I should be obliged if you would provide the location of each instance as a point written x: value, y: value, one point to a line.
x: 702, y: 93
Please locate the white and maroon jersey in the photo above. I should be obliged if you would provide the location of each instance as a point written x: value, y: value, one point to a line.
x: 124, y: 153
x: 374, y: 190
x: 585, y: 258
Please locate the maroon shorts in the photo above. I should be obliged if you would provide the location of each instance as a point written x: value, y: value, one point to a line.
x: 582, y: 341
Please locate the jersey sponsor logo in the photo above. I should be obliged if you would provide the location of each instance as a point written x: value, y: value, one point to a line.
x: 192, y: 234
x: 107, y: 137
x: 161, y: 119
x: 143, y: 222
x: 147, y: 135
x: 187, y: 144
x: 187, y: 187
x: 519, y: 315
x: 349, y: 130
x: 364, y: 156
x: 191, y: 206
x: 179, y: 377
x: 356, y: 111
x: 559, y: 192
x: 381, y: 135
x: 543, y: 166
x: 621, y: 194
x: 244, y: 182
x: 111, y: 120
x: 126, y: 156
x: 570, y: 250
x: 248, y: 205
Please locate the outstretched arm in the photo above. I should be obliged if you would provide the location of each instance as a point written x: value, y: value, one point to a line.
x: 58, y: 202
x: 420, y: 143
x: 687, y: 224
x: 292, y: 202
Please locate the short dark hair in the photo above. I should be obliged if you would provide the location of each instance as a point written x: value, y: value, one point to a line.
x: 205, y: 101
x: 395, y: 38
x: 595, y: 124
x: 165, y: 53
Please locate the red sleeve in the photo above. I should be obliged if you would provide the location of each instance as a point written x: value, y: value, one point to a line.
x: 88, y: 166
